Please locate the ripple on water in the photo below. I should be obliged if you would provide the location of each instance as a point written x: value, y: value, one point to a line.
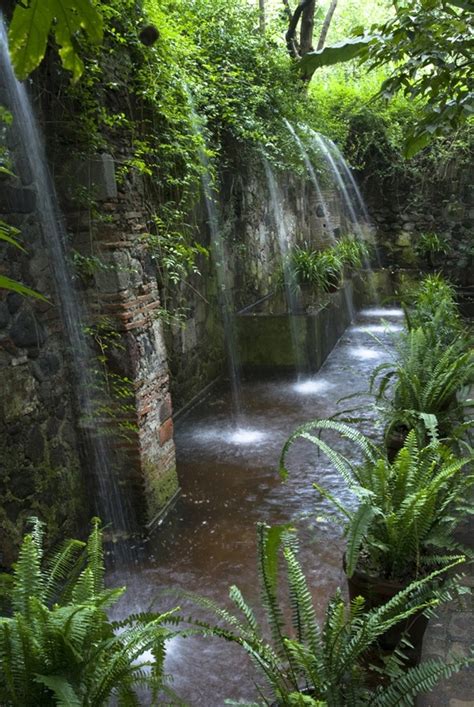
x: 311, y: 386
x: 376, y: 328
x: 231, y: 435
x: 364, y: 353
x: 381, y: 312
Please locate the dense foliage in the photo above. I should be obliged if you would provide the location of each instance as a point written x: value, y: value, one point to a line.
x: 317, y: 666
x: 57, y: 644
x: 408, y: 509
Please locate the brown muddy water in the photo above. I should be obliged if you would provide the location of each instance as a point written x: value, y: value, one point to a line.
x: 229, y: 482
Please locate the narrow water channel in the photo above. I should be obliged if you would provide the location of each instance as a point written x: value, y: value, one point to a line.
x: 229, y: 481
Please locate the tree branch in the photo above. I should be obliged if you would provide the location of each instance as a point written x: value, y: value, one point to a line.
x: 294, y: 19
x: 307, y: 25
x: 326, y: 24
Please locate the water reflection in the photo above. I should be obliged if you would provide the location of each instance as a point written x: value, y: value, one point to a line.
x: 230, y: 482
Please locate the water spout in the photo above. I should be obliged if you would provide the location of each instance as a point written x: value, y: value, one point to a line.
x: 111, y: 503
x: 221, y: 260
x: 284, y: 244
x: 314, y: 180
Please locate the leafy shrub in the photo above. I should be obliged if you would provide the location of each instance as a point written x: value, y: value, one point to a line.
x: 57, y: 645
x: 353, y: 252
x: 313, y: 665
x: 408, y: 509
x: 432, y: 305
x: 427, y: 377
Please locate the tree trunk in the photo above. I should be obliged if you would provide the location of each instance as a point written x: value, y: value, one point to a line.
x: 326, y: 24
x: 307, y: 27
x: 294, y: 18
x: 261, y: 10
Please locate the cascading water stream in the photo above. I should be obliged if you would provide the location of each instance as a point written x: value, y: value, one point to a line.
x: 284, y: 244
x: 349, y: 177
x: 314, y: 178
x: 345, y: 181
x: 320, y: 142
x: 111, y: 504
x: 219, y: 255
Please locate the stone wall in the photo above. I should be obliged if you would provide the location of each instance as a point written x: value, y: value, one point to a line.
x: 119, y: 282
x: 196, y: 345
x: 40, y: 452
x: 442, y: 205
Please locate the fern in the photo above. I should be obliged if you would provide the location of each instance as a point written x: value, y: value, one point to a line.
x: 57, y: 645
x: 314, y: 666
x: 405, y: 507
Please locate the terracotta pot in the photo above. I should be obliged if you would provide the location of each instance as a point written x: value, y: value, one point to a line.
x: 377, y: 592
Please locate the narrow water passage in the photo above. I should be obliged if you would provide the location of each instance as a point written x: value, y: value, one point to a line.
x: 230, y: 483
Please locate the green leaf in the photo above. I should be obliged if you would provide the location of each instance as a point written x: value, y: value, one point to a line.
x: 335, y: 54
x: 463, y: 4
x: 31, y: 25
x: 416, y: 143
x: 7, y: 284
x: 64, y: 693
x: 28, y: 35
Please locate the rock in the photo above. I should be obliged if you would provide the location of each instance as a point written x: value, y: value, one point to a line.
x: 49, y: 364
x: 404, y: 240
x: 14, y: 302
x: 4, y: 315
x: 26, y: 331
x: 17, y: 200
x: 35, y: 446
x: 320, y: 211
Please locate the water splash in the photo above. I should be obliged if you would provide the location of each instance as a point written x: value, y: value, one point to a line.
x: 312, y: 386
x: 221, y: 260
x: 314, y: 179
x: 112, y: 506
x: 284, y: 244
x: 381, y: 312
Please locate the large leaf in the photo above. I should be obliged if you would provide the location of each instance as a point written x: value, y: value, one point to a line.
x: 64, y: 693
x: 7, y: 284
x: 335, y: 54
x: 31, y: 25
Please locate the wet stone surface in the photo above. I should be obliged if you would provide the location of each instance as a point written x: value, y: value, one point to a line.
x: 228, y: 474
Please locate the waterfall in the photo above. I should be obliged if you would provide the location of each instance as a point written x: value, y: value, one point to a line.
x: 111, y: 504
x: 314, y: 178
x: 345, y: 181
x: 284, y: 244
x: 221, y: 260
x: 349, y: 177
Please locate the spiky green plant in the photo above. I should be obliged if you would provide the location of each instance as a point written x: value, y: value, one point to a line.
x: 57, y: 645
x: 353, y: 252
x: 432, y: 305
x: 406, y: 512
x: 319, y: 270
x: 426, y: 377
x: 305, y: 664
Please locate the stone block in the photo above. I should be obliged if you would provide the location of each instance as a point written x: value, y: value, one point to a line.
x: 404, y: 239
x: 18, y: 393
x: 189, y: 336
x: 166, y: 432
x: 17, y: 200
x: 115, y: 275
x: 96, y: 174
x: 26, y: 331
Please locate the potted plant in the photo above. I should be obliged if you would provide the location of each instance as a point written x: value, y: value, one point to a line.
x: 307, y: 664
x: 406, y: 516
x: 426, y: 377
